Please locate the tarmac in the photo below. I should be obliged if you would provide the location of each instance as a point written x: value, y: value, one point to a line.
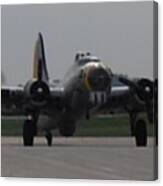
x: 115, y: 158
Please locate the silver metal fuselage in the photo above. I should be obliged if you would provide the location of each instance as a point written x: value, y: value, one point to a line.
x: 79, y: 96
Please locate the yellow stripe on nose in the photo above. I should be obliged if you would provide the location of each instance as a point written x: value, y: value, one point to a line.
x: 87, y: 81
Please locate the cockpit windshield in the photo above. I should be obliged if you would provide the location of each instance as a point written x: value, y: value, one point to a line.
x: 83, y: 58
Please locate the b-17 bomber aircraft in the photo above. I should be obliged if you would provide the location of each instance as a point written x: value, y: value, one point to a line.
x: 86, y: 90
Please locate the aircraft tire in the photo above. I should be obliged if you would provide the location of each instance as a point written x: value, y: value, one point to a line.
x: 28, y: 133
x: 141, y: 133
x: 67, y: 130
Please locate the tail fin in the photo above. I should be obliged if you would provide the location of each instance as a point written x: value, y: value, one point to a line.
x: 39, y: 63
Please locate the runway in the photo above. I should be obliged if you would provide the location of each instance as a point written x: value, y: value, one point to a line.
x: 80, y: 158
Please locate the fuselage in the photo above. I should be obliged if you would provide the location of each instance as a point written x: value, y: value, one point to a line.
x: 86, y: 86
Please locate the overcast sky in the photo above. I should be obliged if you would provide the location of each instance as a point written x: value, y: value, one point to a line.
x: 120, y: 34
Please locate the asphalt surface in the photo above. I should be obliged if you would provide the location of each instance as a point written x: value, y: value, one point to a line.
x: 80, y: 158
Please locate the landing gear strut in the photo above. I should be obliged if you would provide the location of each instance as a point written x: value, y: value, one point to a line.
x: 132, y: 117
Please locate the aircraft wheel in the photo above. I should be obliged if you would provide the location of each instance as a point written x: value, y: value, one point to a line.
x: 67, y: 130
x: 141, y: 133
x: 49, y: 138
x: 28, y: 133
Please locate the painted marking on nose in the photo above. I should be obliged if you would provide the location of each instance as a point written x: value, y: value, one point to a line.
x: 86, y: 79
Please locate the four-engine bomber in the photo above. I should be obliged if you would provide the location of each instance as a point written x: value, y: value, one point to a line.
x: 86, y: 89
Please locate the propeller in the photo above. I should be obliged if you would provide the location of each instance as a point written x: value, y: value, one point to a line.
x: 39, y: 93
x: 144, y: 89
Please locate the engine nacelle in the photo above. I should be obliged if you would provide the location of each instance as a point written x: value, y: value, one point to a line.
x: 37, y: 92
x: 144, y: 90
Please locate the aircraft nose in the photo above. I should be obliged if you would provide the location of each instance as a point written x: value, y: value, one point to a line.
x: 98, y: 79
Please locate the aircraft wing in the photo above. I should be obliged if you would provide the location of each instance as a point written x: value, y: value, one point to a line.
x: 124, y: 98
x: 11, y: 94
x: 16, y: 99
x: 135, y: 97
x: 36, y: 94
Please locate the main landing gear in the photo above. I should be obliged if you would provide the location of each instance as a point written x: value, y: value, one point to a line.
x: 67, y: 129
x: 29, y: 131
x: 141, y: 133
x: 49, y: 137
x: 138, y: 129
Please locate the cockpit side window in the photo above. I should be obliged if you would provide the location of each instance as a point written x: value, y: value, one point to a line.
x: 87, y: 60
x: 81, y: 58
